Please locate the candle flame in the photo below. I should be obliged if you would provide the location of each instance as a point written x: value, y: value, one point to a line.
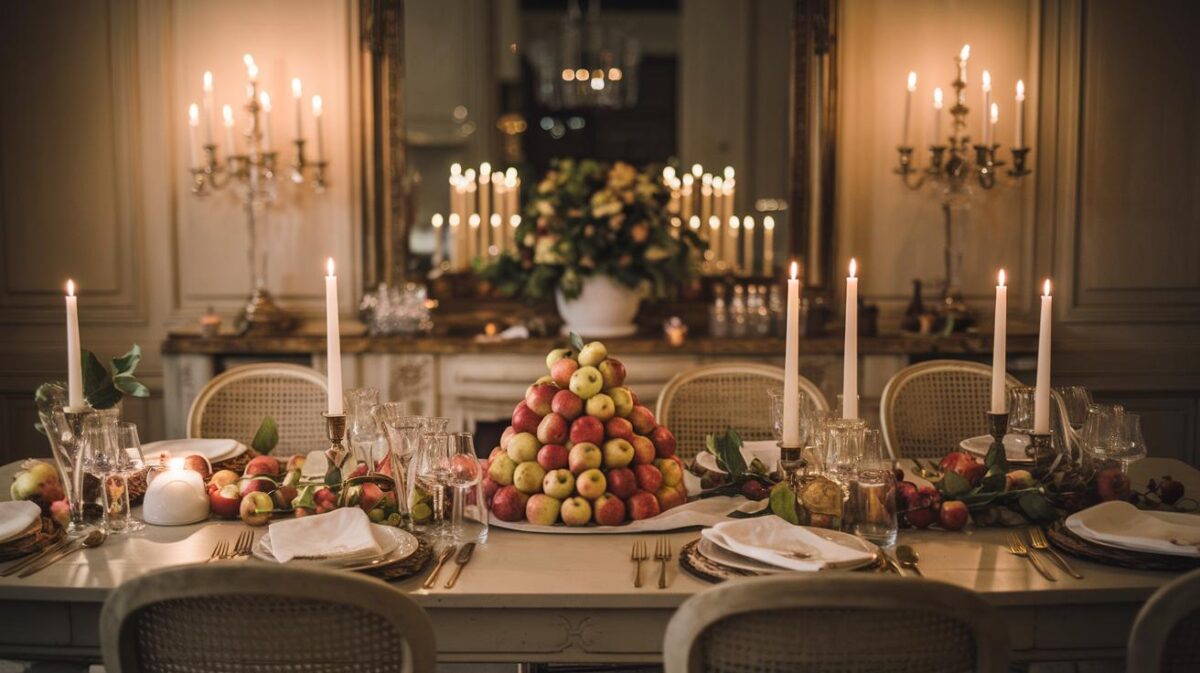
x: 694, y: 222
x: 248, y: 60
x: 714, y: 222
x: 515, y: 221
x: 795, y: 269
x: 297, y: 88
x: 264, y: 99
x: 495, y: 219
x: 252, y: 71
x: 1020, y: 89
x: 965, y: 53
x: 853, y: 267
x: 1046, y: 288
x: 318, y: 106
x: 748, y: 223
x: 769, y: 223
x: 995, y: 113
x: 227, y: 115
x: 473, y: 220
x: 706, y: 179
x: 454, y: 219
x: 329, y: 266
x: 697, y: 169
x: 717, y: 182
x: 470, y: 174
x: 511, y: 173
x: 1001, y: 278
x: 734, y: 223
x: 436, y: 221
x: 937, y: 98
x: 456, y: 168
x: 208, y: 87
x: 175, y: 464
x: 193, y: 114
x: 668, y: 173
x: 912, y: 80
x: 70, y: 288
x: 987, y: 81
x: 729, y: 172
x: 485, y: 168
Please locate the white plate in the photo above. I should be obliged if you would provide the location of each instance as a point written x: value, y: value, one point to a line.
x: 1119, y: 524
x: 215, y: 450
x: 703, y: 512
x: 725, y: 557
x: 1014, y: 447
x: 785, y: 537
x: 396, y: 544
x: 767, y: 451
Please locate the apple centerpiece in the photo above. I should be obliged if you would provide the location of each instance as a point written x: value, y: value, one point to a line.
x: 582, y: 450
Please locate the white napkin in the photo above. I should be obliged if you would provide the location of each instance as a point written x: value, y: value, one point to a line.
x: 773, y: 540
x: 342, y: 532
x: 1118, y: 523
x: 16, y: 516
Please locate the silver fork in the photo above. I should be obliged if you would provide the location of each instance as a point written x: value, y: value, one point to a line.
x: 1018, y: 548
x: 662, y: 552
x: 220, y: 551
x: 637, y: 555
x: 1037, y: 538
x: 244, y: 545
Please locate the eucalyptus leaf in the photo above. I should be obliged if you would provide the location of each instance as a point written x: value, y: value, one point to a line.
x: 783, y: 503
x: 1037, y: 507
x: 266, y: 437
x: 98, y: 386
x: 576, y: 342
x: 122, y: 373
x: 954, y: 484
x: 728, y: 450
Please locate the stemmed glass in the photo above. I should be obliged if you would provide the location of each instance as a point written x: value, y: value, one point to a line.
x: 129, y: 462
x: 462, y: 473
x: 844, y: 449
x: 361, y: 428
x: 428, y: 478
x: 102, y: 484
x: 1077, y: 400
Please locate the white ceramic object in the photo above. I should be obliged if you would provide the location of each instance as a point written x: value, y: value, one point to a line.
x: 175, y: 497
x: 605, y: 308
x: 215, y: 450
x: 1014, y: 447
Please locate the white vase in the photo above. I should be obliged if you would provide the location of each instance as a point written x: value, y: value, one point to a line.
x: 605, y: 308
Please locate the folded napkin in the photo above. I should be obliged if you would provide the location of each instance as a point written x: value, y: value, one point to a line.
x: 344, y: 532
x: 1118, y: 523
x: 16, y: 516
x: 775, y: 541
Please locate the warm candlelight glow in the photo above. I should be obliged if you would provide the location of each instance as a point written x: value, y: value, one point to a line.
x: 987, y: 81
x: 515, y: 221
x: 995, y: 116
x: 937, y: 98
x: 568, y: 75
x: 794, y: 269
x: 454, y: 219
x: 252, y: 71
x: 668, y: 173
x: 769, y: 223
x: 729, y: 172
x: 455, y: 169
x: 176, y: 463
x: 582, y: 74
x: 227, y: 115
x: 70, y: 288
x: 208, y: 86
x: 485, y: 171
x: 473, y: 220
x: 853, y: 268
x: 697, y: 169
x: 436, y: 220
x: 193, y: 115
x: 714, y: 222
x: 318, y: 106
x: 297, y: 89
x: 1020, y: 90
x: 912, y: 80
x: 965, y: 53
x: 734, y: 223
x: 1001, y: 278
x: 748, y: 223
x: 694, y: 222
x: 688, y: 179
x: 264, y: 99
x: 329, y: 267
x: 1046, y: 288
x: 495, y: 219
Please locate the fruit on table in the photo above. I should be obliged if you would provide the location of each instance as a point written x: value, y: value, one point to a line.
x: 576, y: 512
x: 584, y: 456
x: 553, y: 428
x: 542, y: 509
x: 501, y: 470
x: 528, y: 476
x: 586, y: 382
x: 566, y: 404
x: 953, y: 515
x: 622, y: 482
x: 260, y: 484
x: 524, y: 447
x: 1112, y: 484
x: 612, y: 371
x: 60, y: 511
x: 296, y: 463
x: 559, y: 484
x: 225, y: 501
x: 649, y: 477
x: 505, y: 436
x: 1018, y: 479
x: 223, y: 478
x: 558, y: 354
x: 608, y: 510
x: 672, y: 473
x: 923, y: 512
x: 591, y: 484
x: 620, y: 428
x: 37, y: 482
x: 643, y: 505
x: 325, y: 500
x: 664, y: 441
x: 587, y: 429
x: 509, y: 504
x: 562, y: 371
x: 525, y: 419
x: 617, y: 453
x: 255, y: 508
x: 553, y: 457
x: 262, y: 465
x: 600, y: 407
x: 197, y: 463
x: 644, y: 452
x: 642, y: 420
x: 964, y: 465
x: 592, y: 354
x: 623, y: 400
x: 369, y: 498
x: 1169, y: 490
x: 283, y: 496
x: 539, y: 396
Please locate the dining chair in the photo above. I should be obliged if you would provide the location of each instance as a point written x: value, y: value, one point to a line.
x: 928, y: 408
x: 1166, y: 633
x: 835, y: 622
x: 711, y: 398
x: 263, y: 618
x: 233, y: 404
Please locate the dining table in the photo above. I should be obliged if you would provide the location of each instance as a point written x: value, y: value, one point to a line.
x: 530, y: 597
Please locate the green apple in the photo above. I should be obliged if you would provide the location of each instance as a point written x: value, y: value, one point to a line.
x: 544, y: 379
x: 523, y: 447
x: 501, y: 469
x: 600, y: 406
x: 622, y: 400
x: 591, y: 484
x: 556, y: 355
x: 576, y: 512
x: 559, y: 484
x: 671, y: 472
x: 542, y: 510
x: 584, y: 456
x: 528, y: 477
x: 586, y: 382
x: 592, y: 354
x: 617, y: 453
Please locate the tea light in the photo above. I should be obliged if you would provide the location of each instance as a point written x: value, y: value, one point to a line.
x: 675, y: 331
x: 175, y: 497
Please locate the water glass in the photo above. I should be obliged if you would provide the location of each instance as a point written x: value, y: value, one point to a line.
x: 873, y: 504
x: 130, y: 463
x: 844, y: 439
x: 361, y: 428
x: 464, y: 476
x: 1020, y: 410
x: 1076, y: 399
x: 429, y: 478
x: 103, y: 487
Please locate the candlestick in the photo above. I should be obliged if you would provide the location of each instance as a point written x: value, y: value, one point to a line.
x: 208, y: 107
x: 768, y: 246
x: 999, y: 349
x: 333, y: 343
x: 335, y: 431
x: 485, y: 181
x: 850, y: 357
x: 908, y: 94
x: 791, y: 363
x: 227, y: 116
x: 716, y: 241
x: 318, y: 110
x: 75, y: 398
x: 997, y: 424
x: 1020, y: 119
x: 985, y: 129
x: 472, y: 237
x: 1041, y: 395
x: 963, y: 55
x: 497, y: 236
x: 937, y: 116
x: 297, y: 93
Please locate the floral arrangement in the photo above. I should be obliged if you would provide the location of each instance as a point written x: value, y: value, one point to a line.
x: 587, y: 218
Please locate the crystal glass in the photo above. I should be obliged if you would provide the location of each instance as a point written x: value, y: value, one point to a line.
x: 401, y: 430
x: 814, y: 435
x: 103, y: 488
x: 1132, y: 446
x: 464, y: 477
x: 1076, y: 399
x: 1112, y: 435
x: 1020, y: 410
x: 874, y: 493
x: 130, y: 463
x: 361, y: 429
x: 844, y: 449
x: 429, y: 480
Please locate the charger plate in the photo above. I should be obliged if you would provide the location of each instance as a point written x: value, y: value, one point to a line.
x: 1074, y: 545
x: 705, y: 568
x: 39, y: 535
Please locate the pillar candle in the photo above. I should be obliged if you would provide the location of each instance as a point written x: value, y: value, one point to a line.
x: 485, y: 204
x: 791, y: 364
x: 497, y: 236
x: 333, y: 342
x: 297, y: 91
x: 768, y: 266
x: 850, y: 356
x: 733, y: 252
x: 74, y: 369
x: 472, y: 237
x: 993, y: 118
x: 193, y: 122
x: 715, y: 240
x: 513, y: 224
x: 963, y: 55
x: 729, y: 188
x: 999, y: 348
x: 1020, y: 120
x: 1041, y: 395
x: 937, y: 116
x: 208, y: 107
x: 908, y: 95
x: 986, y: 131
x: 437, y: 239
x: 685, y: 194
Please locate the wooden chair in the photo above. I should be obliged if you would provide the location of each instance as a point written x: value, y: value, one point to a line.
x: 830, y: 622
x: 710, y: 398
x: 267, y: 619
x: 233, y: 404
x: 928, y: 408
x: 1166, y: 633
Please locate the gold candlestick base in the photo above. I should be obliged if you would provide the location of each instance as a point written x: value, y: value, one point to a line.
x: 262, y: 316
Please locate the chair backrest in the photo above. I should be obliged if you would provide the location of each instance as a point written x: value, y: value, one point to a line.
x: 267, y: 619
x: 835, y: 622
x: 711, y: 398
x: 928, y: 408
x: 233, y: 404
x: 1166, y: 633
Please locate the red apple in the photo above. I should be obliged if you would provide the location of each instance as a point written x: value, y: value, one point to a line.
x: 506, y: 435
x: 255, y: 509
x: 325, y: 500
x: 261, y: 485
x: 1169, y: 490
x: 552, y: 457
x: 924, y: 511
x: 752, y: 489
x: 622, y: 482
x: 587, y: 429
x: 264, y: 465
x: 642, y: 419
x: 671, y: 469
x: 953, y: 515
x: 495, y: 452
x: 371, y: 496
x: 489, y: 489
x: 906, y: 495
x: 642, y: 505
x: 566, y: 404
x: 542, y: 509
x: 225, y: 501
x: 295, y: 463
x: 964, y: 465
x: 576, y: 511
x: 643, y: 450
x: 613, y: 372
x: 619, y: 428
x: 553, y: 429
x: 508, y: 504
x: 664, y: 441
x: 197, y: 463
x: 562, y: 370
x: 222, y: 478
x: 649, y: 478
x: 525, y: 419
x: 609, y: 510
x: 1112, y: 484
x: 60, y: 511
x: 584, y: 456
x: 538, y: 397
x: 668, y: 497
x: 591, y: 484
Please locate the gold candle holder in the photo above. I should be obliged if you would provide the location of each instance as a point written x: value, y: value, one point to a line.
x: 335, y: 430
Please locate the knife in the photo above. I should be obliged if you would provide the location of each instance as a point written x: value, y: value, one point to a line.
x: 35, y: 557
x: 442, y: 558
x: 464, y: 555
x: 41, y: 563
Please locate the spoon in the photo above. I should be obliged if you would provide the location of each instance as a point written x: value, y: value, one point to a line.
x: 908, y: 558
x: 94, y: 538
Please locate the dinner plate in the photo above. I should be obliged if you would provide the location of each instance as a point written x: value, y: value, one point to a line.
x: 396, y: 544
x: 1014, y: 447
x: 767, y: 451
x: 847, y: 541
x: 1111, y: 523
x: 723, y: 556
x: 215, y: 450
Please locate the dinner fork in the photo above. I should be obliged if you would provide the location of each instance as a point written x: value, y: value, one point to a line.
x: 637, y: 556
x: 220, y: 551
x: 1018, y: 548
x: 662, y: 552
x: 1037, y: 538
x: 244, y: 545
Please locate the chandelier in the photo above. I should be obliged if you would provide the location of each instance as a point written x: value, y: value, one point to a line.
x: 587, y: 63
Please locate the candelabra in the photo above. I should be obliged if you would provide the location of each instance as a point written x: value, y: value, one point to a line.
x: 956, y: 167
x: 253, y: 172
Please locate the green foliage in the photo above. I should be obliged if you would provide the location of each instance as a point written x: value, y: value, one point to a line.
x: 576, y: 342
x: 266, y: 437
x: 585, y: 218
x: 101, y: 390
x: 727, y: 449
x: 783, y: 503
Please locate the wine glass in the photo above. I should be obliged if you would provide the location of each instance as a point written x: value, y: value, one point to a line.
x: 1020, y: 410
x: 844, y: 449
x: 1076, y: 399
x: 462, y: 473
x: 428, y: 479
x: 129, y: 464
x: 1133, y: 445
x: 1101, y: 431
x: 102, y: 484
x: 362, y: 430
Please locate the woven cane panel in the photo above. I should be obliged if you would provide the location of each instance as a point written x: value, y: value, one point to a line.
x: 835, y: 640
x: 263, y: 634
x: 236, y: 410
x: 718, y: 401
x: 1181, y: 653
x: 932, y: 412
